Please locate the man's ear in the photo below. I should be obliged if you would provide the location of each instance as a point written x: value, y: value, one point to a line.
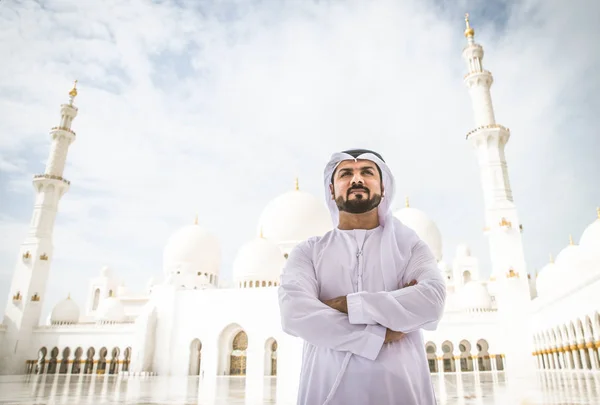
x: 332, y: 191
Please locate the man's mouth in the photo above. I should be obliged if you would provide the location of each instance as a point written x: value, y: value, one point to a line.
x: 358, y: 191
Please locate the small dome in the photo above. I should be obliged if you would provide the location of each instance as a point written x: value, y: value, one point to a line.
x: 122, y: 290
x: 568, y: 258
x: 293, y: 217
x: 110, y: 310
x: 474, y: 296
x: 547, y: 280
x: 65, y: 312
x: 425, y: 228
x: 258, y: 260
x: 106, y: 272
x: 463, y: 250
x: 192, y: 250
x: 590, y: 238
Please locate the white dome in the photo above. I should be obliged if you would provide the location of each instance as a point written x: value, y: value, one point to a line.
x: 547, y: 280
x: 474, y: 295
x: 65, y: 312
x: 193, y: 251
x: 425, y: 228
x: 106, y: 272
x: 568, y: 258
x: 258, y: 260
x: 110, y: 310
x: 293, y: 217
x: 122, y: 290
x: 591, y: 235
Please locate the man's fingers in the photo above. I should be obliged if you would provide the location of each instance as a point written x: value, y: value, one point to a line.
x: 410, y: 284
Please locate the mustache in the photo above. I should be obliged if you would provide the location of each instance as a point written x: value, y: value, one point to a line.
x: 354, y: 188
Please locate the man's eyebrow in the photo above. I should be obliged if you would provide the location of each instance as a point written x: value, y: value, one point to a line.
x: 348, y: 169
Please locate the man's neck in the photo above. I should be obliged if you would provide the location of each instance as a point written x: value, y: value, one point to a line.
x: 368, y: 220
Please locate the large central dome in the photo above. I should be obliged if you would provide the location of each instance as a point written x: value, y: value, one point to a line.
x: 293, y: 217
x: 192, y: 252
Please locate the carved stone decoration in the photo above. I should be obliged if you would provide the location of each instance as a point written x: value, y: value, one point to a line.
x: 35, y: 297
x: 26, y: 256
x: 511, y: 273
x: 43, y: 256
x: 504, y: 223
x: 17, y: 297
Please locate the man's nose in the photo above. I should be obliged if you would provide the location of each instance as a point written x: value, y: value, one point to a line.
x: 357, y: 179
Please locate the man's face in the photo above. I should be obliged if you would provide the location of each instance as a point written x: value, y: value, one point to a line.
x: 357, y: 186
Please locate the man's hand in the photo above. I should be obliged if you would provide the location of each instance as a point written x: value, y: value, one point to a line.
x: 339, y: 303
x: 413, y: 282
x: 391, y: 336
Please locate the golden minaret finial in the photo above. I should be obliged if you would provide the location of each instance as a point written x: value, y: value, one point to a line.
x: 297, y: 185
x: 469, y: 32
x: 406, y: 202
x: 571, y: 240
x: 196, y: 220
x: 73, y: 92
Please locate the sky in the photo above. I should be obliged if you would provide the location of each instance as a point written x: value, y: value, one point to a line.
x: 215, y: 107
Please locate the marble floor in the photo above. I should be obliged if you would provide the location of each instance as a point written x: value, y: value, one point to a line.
x: 546, y: 388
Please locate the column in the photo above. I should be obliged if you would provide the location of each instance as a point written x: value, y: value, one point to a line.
x: 593, y: 357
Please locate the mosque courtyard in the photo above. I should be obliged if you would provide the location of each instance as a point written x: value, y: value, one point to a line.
x: 547, y: 388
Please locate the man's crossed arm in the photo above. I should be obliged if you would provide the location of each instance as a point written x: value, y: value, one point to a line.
x: 362, y: 322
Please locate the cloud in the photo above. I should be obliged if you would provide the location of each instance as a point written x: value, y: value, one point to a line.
x: 214, y: 107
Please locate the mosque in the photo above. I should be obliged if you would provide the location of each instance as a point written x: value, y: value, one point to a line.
x: 507, y: 322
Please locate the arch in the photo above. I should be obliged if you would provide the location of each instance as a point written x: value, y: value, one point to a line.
x: 88, y: 367
x: 76, y: 368
x: 226, y: 351
x: 430, y: 350
x: 239, y: 345
x: 102, y: 361
x: 466, y: 360
x: 113, y: 368
x: 126, y: 359
x: 466, y: 276
x: 483, y: 355
x: 448, y: 357
x: 96, y: 299
x: 53, y: 361
x: 64, y: 362
x: 195, y: 357
x: 271, y: 357
x: 41, y: 361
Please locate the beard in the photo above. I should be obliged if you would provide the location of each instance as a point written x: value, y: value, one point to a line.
x: 360, y: 204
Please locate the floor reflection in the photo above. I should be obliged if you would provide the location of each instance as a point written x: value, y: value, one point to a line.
x: 545, y: 388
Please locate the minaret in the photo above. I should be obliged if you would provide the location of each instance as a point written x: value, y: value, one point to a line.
x: 502, y: 226
x: 28, y: 287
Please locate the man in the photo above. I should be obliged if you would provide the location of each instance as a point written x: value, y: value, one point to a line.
x: 360, y: 295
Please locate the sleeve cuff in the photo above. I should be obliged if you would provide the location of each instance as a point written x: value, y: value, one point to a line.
x: 356, y: 312
x: 374, y: 341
